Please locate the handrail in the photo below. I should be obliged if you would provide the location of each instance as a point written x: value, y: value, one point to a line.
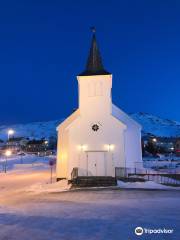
x: 74, y: 173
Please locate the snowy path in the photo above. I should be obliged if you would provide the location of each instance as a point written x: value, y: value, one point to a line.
x: 104, y: 214
x: 79, y: 215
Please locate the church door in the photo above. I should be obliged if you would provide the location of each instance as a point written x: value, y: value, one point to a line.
x: 96, y: 164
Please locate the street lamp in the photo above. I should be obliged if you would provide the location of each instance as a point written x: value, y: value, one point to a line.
x: 7, y: 154
x: 10, y: 132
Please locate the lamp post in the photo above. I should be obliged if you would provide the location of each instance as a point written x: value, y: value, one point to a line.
x: 10, y: 132
x: 51, y: 164
x: 7, y: 154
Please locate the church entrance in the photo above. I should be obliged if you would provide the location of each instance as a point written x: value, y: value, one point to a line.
x: 96, y: 163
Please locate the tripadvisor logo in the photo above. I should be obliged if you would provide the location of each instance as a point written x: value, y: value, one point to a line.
x: 139, y: 231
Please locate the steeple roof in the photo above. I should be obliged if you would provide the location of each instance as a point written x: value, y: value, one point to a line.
x: 94, y: 64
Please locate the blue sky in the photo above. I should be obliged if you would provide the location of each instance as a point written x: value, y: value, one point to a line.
x: 44, y: 45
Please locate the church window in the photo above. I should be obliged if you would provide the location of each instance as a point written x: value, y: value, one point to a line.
x: 95, y: 127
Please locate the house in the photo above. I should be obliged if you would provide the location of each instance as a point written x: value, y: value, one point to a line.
x: 98, y: 137
x: 159, y: 144
x: 36, y: 146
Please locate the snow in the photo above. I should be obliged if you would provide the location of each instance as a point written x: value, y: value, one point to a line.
x: 49, y: 187
x: 150, y: 123
x: 27, y: 161
x: 33, y: 208
x: 157, y: 126
x: 36, y: 130
x: 79, y: 215
x: 145, y: 185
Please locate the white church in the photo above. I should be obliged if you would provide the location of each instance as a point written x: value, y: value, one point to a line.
x: 98, y: 137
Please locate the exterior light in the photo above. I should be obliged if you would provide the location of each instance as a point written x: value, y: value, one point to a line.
x: 109, y: 147
x: 82, y: 147
x: 8, y: 153
x: 154, y: 140
x: 46, y: 142
x: 10, y: 132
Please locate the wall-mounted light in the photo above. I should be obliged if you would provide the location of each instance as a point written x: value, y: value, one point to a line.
x: 82, y: 147
x: 109, y: 147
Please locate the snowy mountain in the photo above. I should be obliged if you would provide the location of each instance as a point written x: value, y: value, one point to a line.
x: 157, y: 126
x: 151, y: 124
x: 36, y: 130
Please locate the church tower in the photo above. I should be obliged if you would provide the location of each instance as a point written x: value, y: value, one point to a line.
x: 94, y: 84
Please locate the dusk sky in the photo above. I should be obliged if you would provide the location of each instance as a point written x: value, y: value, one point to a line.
x: 45, y: 44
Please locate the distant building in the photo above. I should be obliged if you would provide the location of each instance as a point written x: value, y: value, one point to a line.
x: 2, y: 146
x: 161, y: 144
x: 16, y: 143
x: 177, y: 147
x: 36, y: 146
x: 166, y: 144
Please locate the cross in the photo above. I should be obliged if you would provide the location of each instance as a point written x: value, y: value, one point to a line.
x: 93, y: 29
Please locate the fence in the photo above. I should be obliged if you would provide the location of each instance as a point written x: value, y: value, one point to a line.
x: 135, y: 174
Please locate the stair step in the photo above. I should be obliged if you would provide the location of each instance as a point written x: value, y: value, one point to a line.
x: 93, y: 181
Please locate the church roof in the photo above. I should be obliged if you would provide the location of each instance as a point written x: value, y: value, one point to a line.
x: 94, y: 64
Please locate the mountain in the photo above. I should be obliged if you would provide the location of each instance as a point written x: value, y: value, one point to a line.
x: 36, y: 130
x: 150, y: 124
x: 157, y: 126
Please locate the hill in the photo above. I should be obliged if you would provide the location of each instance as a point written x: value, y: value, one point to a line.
x: 150, y: 124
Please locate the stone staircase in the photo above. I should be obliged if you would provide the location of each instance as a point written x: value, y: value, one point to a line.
x: 91, y: 181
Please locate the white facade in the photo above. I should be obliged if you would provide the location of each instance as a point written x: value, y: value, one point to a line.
x: 117, y: 142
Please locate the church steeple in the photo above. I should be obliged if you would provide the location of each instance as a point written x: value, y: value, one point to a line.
x: 94, y: 64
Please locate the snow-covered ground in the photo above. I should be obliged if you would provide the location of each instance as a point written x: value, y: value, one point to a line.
x: 25, y: 162
x: 145, y: 185
x: 33, y: 208
x: 172, y: 164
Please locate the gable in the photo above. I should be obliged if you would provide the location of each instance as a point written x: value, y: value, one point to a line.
x: 69, y: 120
x: 125, y: 118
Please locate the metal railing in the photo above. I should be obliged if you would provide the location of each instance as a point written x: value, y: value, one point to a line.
x: 135, y: 174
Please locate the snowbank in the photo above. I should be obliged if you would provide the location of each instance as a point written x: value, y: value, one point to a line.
x: 60, y: 186
x: 145, y: 185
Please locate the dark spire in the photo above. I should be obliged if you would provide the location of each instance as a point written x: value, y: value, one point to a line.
x: 94, y: 64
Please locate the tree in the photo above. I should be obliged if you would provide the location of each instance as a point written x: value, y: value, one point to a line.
x: 151, y: 147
